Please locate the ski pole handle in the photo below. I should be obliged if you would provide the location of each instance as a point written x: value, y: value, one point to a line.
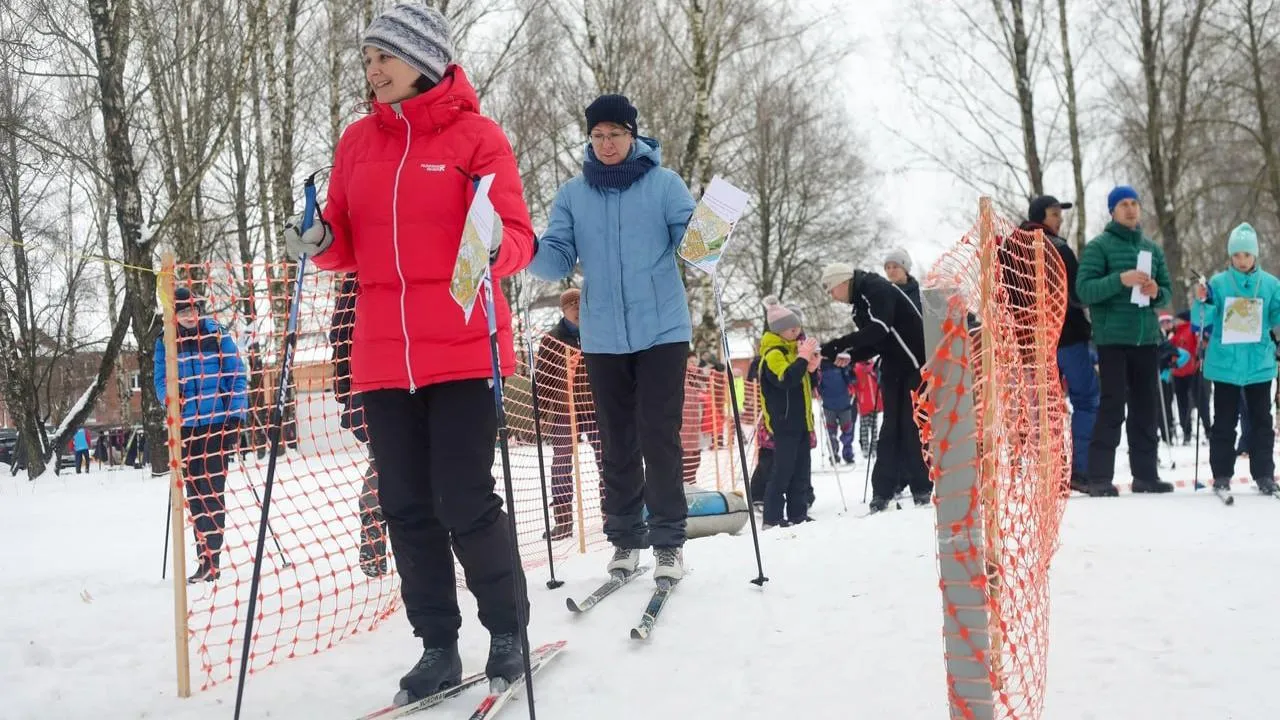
x: 309, y: 209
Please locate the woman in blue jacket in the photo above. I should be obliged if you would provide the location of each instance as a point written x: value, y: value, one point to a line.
x: 1242, y: 303
x: 623, y: 218
x: 211, y: 389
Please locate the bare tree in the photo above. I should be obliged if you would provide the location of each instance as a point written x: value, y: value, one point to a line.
x: 1068, y: 88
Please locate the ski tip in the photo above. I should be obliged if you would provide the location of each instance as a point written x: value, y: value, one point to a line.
x: 402, y: 698
x: 573, y: 606
x: 639, y: 634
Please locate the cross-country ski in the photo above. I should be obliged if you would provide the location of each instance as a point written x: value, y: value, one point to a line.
x: 652, y: 611
x: 610, y: 586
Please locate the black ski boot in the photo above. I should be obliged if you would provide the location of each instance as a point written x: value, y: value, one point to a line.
x: 879, y: 504
x: 438, y: 669
x: 506, y: 664
x: 1079, y: 482
x: 922, y: 499
x: 1222, y: 483
x: 1266, y: 486
x: 1103, y: 489
x: 1155, y: 485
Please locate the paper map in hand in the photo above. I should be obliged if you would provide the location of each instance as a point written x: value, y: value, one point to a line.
x: 712, y: 222
x: 473, y: 252
x: 1241, y: 320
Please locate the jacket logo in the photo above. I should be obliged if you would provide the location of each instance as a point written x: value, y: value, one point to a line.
x: 433, y: 167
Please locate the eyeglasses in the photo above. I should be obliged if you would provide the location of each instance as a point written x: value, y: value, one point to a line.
x: 613, y: 137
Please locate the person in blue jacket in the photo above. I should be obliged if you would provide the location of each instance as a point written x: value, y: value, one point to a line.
x: 212, y: 386
x: 623, y: 219
x: 81, y: 444
x: 1243, y: 304
x: 837, y: 408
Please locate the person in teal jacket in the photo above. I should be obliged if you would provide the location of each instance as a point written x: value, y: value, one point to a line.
x: 1127, y: 336
x: 1242, y: 303
x: 623, y: 219
x: 212, y: 385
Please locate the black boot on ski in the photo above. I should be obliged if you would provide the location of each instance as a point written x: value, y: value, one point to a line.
x: 1266, y: 486
x: 438, y: 669
x: 1079, y: 482
x: 505, y: 664
x: 922, y: 499
x: 1222, y: 483
x: 879, y: 504
x: 1155, y: 485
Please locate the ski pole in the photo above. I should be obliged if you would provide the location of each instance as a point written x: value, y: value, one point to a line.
x: 274, y: 432
x: 1164, y: 414
x: 284, y: 556
x: 168, y: 517
x: 759, y: 580
x: 1201, y: 400
x: 835, y: 465
x: 517, y: 568
x: 553, y: 583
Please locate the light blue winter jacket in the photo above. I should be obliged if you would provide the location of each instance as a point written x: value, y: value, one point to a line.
x: 1245, y: 363
x: 632, y: 294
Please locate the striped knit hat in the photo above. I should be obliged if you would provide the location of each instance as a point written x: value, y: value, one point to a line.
x: 417, y: 34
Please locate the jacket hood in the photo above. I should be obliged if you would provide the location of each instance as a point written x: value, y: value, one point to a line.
x: 770, y: 340
x: 435, y: 108
x: 641, y: 147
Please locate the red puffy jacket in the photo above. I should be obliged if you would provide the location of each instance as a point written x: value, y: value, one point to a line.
x: 398, y: 198
x: 868, y: 388
x: 1185, y: 339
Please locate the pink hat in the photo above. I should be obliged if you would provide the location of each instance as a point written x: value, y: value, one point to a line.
x: 779, y: 316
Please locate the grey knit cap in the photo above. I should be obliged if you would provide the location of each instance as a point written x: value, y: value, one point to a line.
x: 899, y: 256
x: 417, y: 34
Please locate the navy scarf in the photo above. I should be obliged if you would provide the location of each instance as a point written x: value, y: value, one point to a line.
x: 618, y: 177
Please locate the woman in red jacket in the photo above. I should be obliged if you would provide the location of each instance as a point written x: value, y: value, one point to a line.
x: 398, y: 195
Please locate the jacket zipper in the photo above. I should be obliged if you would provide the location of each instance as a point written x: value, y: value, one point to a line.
x: 395, y: 244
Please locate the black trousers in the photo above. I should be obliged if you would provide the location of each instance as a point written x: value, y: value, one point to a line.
x: 204, y: 456
x: 790, y: 483
x: 639, y: 399
x: 1262, y: 436
x: 1127, y: 374
x: 1192, y: 390
x: 760, y: 476
x: 434, y: 449
x: 899, y: 458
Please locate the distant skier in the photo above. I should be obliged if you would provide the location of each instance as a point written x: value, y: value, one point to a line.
x: 211, y: 389
x: 889, y: 325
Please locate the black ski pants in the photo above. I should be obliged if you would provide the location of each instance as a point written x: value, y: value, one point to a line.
x: 639, y: 399
x: 1128, y: 374
x: 899, y: 458
x: 1262, y: 436
x: 434, y: 449
x: 204, y: 456
x: 1192, y: 390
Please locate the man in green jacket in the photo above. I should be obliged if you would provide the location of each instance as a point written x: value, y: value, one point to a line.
x: 1127, y: 335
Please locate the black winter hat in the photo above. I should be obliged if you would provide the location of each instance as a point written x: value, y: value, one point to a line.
x: 182, y: 300
x: 615, y: 109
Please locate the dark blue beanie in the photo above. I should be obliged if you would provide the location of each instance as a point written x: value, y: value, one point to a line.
x: 1121, y: 192
x: 615, y: 109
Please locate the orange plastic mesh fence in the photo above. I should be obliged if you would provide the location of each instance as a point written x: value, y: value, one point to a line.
x: 1008, y: 295
x: 327, y: 572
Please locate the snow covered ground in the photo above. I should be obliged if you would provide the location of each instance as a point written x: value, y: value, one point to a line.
x: 1163, y: 608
